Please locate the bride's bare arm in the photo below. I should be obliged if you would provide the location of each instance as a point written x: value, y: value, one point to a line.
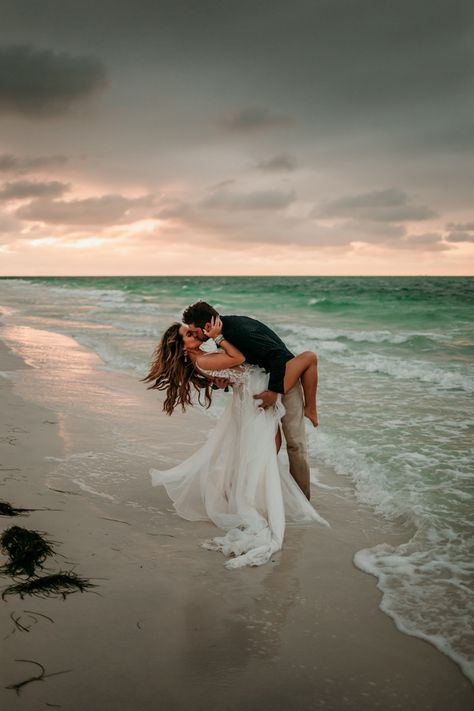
x: 220, y: 361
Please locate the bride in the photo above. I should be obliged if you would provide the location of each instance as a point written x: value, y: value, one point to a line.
x: 234, y: 479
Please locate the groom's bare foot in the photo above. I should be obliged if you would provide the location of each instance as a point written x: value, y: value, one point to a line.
x: 312, y: 415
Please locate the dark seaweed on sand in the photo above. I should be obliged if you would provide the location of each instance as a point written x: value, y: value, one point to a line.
x: 62, y: 583
x: 7, y: 509
x: 26, y: 549
x: 39, y: 677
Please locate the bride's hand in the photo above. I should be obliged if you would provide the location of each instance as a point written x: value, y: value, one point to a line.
x: 216, y: 328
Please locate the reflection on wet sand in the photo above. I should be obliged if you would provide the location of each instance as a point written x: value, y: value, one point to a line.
x: 241, y: 619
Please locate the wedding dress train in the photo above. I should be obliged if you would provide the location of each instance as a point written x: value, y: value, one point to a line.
x: 234, y: 479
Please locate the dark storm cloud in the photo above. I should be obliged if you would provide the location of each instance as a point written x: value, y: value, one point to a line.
x: 428, y: 242
x: 460, y: 232
x: 252, y: 119
x: 104, y: 210
x: 225, y: 201
x: 42, y: 83
x: 398, y: 214
x: 15, y: 164
x: 255, y: 200
x: 330, y: 63
x: 390, y: 197
x: 277, y: 164
x: 368, y: 231
x: 402, y: 70
x: 461, y: 226
x: 23, y: 189
x: 460, y: 237
x: 389, y: 205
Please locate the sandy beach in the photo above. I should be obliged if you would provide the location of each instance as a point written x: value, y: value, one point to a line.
x: 167, y: 627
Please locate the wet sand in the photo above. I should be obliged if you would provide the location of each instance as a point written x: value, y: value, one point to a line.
x: 168, y: 627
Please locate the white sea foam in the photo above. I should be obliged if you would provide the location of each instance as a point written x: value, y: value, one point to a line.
x: 417, y: 579
x: 330, y: 347
x: 91, y: 490
x: 458, y: 377
x: 435, y: 565
x: 411, y: 370
x: 97, y: 295
x: 368, y: 477
x: 314, y: 332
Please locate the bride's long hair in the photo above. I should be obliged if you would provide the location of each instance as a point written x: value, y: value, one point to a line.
x: 171, y: 371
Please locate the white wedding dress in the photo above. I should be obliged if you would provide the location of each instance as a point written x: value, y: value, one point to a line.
x: 234, y: 479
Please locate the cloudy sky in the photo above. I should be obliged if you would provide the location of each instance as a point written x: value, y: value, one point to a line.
x: 236, y: 137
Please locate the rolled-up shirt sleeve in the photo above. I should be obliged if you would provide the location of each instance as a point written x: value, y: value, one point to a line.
x: 277, y: 375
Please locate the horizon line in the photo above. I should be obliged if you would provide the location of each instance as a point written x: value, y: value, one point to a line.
x: 234, y: 276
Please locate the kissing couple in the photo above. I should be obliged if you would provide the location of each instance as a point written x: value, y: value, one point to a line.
x: 235, y: 479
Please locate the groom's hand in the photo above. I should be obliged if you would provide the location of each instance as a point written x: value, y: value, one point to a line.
x: 220, y: 383
x: 268, y: 398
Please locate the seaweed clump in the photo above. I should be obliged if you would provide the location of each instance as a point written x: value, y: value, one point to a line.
x: 62, y: 583
x: 26, y: 549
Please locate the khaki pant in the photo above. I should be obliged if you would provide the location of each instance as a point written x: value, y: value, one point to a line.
x: 295, y: 435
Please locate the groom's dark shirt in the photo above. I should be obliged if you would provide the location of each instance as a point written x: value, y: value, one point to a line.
x: 260, y: 346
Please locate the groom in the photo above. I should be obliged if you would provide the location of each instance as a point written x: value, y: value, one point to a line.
x: 261, y: 346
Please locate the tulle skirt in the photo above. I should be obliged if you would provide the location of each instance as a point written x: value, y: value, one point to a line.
x: 234, y: 480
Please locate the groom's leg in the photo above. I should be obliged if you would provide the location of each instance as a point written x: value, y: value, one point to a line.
x: 295, y: 434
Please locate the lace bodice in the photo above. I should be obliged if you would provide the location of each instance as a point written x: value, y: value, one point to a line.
x: 235, y: 375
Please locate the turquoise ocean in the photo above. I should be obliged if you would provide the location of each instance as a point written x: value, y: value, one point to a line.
x: 395, y: 402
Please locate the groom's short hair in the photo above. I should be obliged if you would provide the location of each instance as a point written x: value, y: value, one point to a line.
x: 199, y: 314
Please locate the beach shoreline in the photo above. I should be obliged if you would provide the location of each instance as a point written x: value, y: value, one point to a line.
x: 170, y: 625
